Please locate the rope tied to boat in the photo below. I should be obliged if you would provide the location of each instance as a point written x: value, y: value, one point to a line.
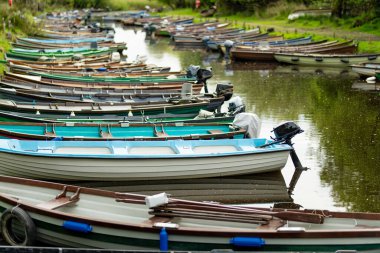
x: 16, y: 206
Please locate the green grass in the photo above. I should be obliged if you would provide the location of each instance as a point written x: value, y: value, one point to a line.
x: 4, y: 46
x: 132, y: 4
x: 372, y: 27
x: 369, y: 46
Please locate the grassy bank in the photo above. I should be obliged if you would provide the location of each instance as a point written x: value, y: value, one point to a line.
x: 118, y: 5
x: 367, y: 36
x: 4, y: 45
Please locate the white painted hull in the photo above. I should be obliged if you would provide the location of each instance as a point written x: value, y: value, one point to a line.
x: 96, y: 169
x: 324, y: 60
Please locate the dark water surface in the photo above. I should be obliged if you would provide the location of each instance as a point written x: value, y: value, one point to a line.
x: 341, y: 142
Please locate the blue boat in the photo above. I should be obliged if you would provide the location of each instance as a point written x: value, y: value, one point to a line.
x: 58, y: 50
x: 67, y: 41
x: 146, y: 160
x: 139, y: 160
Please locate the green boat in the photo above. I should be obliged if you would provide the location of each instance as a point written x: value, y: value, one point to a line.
x: 113, y: 79
x: 121, y: 109
x: 378, y: 75
x: 120, y: 131
x: 207, y: 117
x: 58, y: 55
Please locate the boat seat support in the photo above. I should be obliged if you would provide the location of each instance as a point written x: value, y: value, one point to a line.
x: 61, y: 200
x: 105, y: 134
x: 50, y: 133
x: 159, y: 133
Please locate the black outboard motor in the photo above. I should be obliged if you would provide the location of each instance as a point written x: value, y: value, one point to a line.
x: 94, y: 45
x: 286, y: 131
x: 202, y: 76
x: 205, y: 39
x: 149, y: 29
x: 224, y: 89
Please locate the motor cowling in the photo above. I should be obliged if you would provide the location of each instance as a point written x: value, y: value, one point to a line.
x: 224, y: 89
x: 286, y: 131
x: 203, y: 75
x: 236, y: 106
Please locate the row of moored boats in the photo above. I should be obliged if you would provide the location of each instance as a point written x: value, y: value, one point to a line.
x: 74, y: 110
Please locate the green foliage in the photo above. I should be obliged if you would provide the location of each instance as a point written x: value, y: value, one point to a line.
x: 175, y: 4
x: 21, y: 21
x: 129, y: 5
x: 4, y: 46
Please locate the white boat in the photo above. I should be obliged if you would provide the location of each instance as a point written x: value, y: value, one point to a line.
x: 326, y: 60
x: 366, y: 69
x: 139, y: 160
x: 64, y: 215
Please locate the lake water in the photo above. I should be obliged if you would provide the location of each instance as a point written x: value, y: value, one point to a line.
x: 341, y: 139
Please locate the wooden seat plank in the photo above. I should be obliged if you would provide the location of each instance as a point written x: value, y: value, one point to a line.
x: 161, y: 134
x: 56, y: 203
x: 216, y: 131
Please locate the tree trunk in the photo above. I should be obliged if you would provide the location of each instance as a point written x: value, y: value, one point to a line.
x: 337, y: 8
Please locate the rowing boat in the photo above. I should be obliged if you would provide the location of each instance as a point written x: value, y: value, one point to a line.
x: 58, y: 55
x: 333, y: 60
x: 121, y: 109
x: 199, y: 117
x: 72, y: 216
x: 11, y: 79
x: 139, y: 160
x: 120, y: 131
x: 366, y: 69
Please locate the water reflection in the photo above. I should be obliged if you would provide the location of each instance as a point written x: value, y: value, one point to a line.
x: 366, y: 87
x: 262, y: 188
x: 340, y: 144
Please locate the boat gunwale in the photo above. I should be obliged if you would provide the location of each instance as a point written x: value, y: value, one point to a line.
x: 169, y: 143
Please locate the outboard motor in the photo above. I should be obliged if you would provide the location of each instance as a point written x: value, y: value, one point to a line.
x: 236, y: 106
x: 224, y: 89
x: 202, y: 76
x: 286, y: 131
x: 94, y: 45
x: 149, y: 29
x: 192, y: 71
x: 228, y: 44
x: 205, y: 39
x: 250, y: 122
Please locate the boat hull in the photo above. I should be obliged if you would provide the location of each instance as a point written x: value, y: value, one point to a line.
x: 139, y: 160
x: 125, y: 169
x: 325, y: 60
x: 129, y: 225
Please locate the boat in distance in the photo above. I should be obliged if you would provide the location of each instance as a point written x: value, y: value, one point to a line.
x: 72, y: 216
x: 333, y: 60
x: 366, y: 69
x: 139, y: 160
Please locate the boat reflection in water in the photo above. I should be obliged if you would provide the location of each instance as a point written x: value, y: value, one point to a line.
x: 286, y: 69
x: 366, y: 87
x: 254, y: 188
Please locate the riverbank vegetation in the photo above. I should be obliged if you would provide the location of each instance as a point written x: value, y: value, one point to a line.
x: 357, y: 20
x: 350, y: 19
